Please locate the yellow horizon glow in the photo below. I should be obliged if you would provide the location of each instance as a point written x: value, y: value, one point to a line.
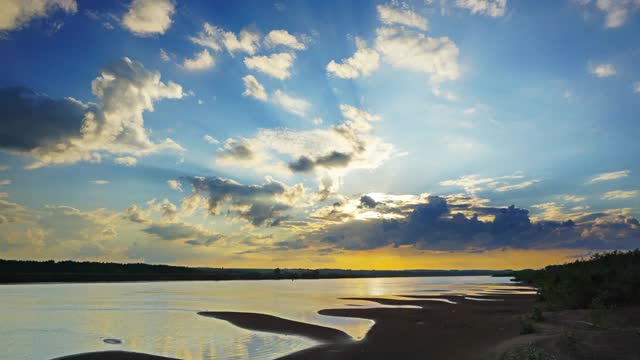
x: 407, y: 258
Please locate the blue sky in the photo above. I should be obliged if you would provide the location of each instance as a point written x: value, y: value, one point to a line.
x: 270, y: 129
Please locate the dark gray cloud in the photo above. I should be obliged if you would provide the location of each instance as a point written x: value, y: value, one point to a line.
x: 367, y: 201
x: 285, y: 245
x: 66, y: 131
x: 239, y: 152
x: 192, y: 235
x: 435, y: 226
x: 31, y: 120
x: 236, y: 150
x: 291, y: 245
x: 334, y: 159
x: 207, y: 241
x: 303, y: 164
x: 261, y: 205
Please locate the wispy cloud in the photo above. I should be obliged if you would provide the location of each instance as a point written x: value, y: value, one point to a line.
x: 290, y: 104
x: 603, y: 70
x: 493, y: 8
x: 620, y: 194
x: 610, y: 176
x: 573, y: 198
x: 210, y: 139
x: 390, y: 16
x: 473, y: 184
x: 522, y: 185
x: 616, y: 11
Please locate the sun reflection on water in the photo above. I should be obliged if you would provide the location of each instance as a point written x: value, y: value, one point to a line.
x: 44, y: 321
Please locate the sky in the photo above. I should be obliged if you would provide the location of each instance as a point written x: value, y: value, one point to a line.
x: 427, y: 134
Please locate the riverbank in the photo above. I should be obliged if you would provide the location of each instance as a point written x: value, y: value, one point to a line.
x: 483, y: 327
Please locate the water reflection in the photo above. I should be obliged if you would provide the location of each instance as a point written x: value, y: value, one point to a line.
x: 42, y: 321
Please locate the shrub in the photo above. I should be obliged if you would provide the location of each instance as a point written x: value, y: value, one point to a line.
x: 526, y: 326
x: 536, y: 314
x: 613, y: 277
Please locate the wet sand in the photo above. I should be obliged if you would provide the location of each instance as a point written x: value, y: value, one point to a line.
x: 274, y: 324
x: 468, y: 329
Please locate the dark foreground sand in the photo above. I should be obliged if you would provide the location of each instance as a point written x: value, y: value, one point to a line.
x: 470, y: 329
x: 438, y: 330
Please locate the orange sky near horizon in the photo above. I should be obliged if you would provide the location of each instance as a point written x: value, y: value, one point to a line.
x: 407, y: 258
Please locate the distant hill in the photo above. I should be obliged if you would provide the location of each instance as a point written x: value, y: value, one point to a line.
x: 25, y: 271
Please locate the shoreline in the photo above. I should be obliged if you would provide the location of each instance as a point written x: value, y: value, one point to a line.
x: 459, y: 328
x: 124, y: 281
x: 432, y: 329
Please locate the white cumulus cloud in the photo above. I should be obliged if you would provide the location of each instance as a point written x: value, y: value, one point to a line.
x: 14, y: 14
x: 76, y: 131
x: 128, y: 161
x: 253, y: 88
x: 200, y: 62
x: 216, y: 39
x: 493, y: 8
x: 413, y: 51
x: 362, y: 63
x: 282, y: 37
x: 274, y: 65
x: 149, y: 17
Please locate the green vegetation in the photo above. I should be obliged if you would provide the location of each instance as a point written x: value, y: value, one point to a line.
x: 537, y: 315
x: 526, y: 326
x: 602, y: 281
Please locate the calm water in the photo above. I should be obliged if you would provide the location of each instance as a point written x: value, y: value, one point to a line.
x: 42, y: 321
